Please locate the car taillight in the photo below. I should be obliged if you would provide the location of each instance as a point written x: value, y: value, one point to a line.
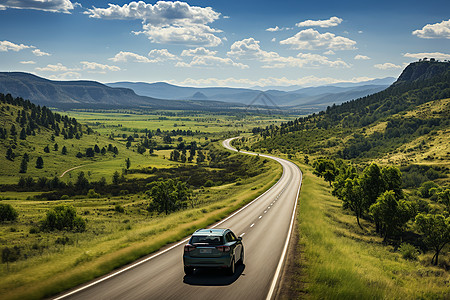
x: 188, y: 248
x: 223, y: 248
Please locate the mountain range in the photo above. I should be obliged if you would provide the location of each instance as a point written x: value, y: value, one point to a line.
x: 315, y: 98
x: 161, y: 95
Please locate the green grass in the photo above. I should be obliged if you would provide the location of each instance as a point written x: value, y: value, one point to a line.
x: 340, y: 261
x: 112, y: 240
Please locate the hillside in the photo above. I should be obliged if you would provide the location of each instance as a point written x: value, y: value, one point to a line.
x: 90, y: 94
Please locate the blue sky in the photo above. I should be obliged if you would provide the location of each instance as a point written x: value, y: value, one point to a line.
x: 234, y: 43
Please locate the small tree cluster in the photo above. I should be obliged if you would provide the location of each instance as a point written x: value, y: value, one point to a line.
x: 168, y: 196
x: 63, y: 217
x: 7, y: 213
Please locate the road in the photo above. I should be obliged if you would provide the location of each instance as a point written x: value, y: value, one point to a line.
x: 265, y: 225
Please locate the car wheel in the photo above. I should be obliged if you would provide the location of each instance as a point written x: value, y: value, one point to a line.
x: 188, y: 270
x: 232, y: 267
x: 241, y: 260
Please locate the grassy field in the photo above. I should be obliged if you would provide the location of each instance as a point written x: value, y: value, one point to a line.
x: 338, y: 260
x: 113, y: 238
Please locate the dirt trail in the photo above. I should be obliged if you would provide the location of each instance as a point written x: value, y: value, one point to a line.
x: 64, y: 173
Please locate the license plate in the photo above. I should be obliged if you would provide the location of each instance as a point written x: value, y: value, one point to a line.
x: 204, y: 251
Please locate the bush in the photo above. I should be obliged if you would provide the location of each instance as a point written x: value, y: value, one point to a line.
x: 63, y: 217
x: 118, y: 208
x: 7, y: 213
x: 64, y: 197
x: 408, y: 251
x: 93, y: 194
x: 208, y: 183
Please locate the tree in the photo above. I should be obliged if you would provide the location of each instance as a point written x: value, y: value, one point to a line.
x: 116, y: 178
x: 183, y: 158
x: 353, y: 197
x: 23, y: 134
x: 90, y: 152
x: 96, y: 148
x: 392, y: 178
x: 23, y: 165
x: 306, y: 159
x: 55, y: 147
x: 168, y: 196
x: 200, y: 156
x: 64, y: 150
x: 426, y: 189
x: 10, y: 154
x: 391, y: 213
x: 13, y: 130
x: 39, y: 163
x: 372, y: 183
x: 128, y: 163
x: 63, y: 217
x: 46, y: 149
x: 82, y: 182
x: 444, y: 198
x: 325, y: 166
x: 167, y: 139
x: 7, y: 213
x: 436, y: 232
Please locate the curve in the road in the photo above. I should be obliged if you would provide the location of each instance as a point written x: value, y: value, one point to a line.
x: 267, y: 225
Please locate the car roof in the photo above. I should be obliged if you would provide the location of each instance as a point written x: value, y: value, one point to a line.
x: 215, y: 231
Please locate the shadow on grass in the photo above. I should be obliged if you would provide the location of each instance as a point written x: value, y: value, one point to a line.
x: 213, y: 277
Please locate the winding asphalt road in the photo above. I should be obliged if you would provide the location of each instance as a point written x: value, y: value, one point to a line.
x: 265, y: 225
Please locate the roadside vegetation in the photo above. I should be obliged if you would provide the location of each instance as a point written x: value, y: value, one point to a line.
x: 340, y: 260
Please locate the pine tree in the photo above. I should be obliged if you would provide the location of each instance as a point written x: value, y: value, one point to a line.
x: 64, y: 150
x: 39, y: 163
x: 23, y: 165
x: 23, y: 134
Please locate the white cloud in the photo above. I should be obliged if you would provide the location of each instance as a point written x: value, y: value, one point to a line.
x: 436, y: 55
x: 387, y: 66
x: 124, y: 56
x: 38, y: 52
x: 331, y: 22
x: 269, y: 81
x: 66, y: 76
x: 312, y: 39
x: 329, y: 52
x: 192, y: 35
x: 28, y: 62
x: 274, y: 40
x: 198, y: 51
x: 434, y: 31
x: 361, y: 57
x: 54, y: 68
x: 167, y: 22
x: 160, y: 55
x: 94, y: 67
x: 6, y: 46
x: 250, y: 49
x: 272, y: 29
x: 64, y: 6
x: 211, y: 61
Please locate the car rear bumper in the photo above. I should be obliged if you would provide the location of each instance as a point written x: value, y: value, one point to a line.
x: 207, y: 262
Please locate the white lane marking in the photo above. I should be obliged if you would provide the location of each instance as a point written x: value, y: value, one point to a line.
x: 252, y: 225
x: 225, y: 143
x: 242, y: 234
x: 281, y: 261
x: 260, y: 217
x: 265, y: 211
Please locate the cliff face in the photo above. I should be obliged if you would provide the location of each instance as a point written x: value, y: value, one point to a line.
x: 422, y: 70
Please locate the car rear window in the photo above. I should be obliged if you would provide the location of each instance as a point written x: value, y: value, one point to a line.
x: 207, y: 239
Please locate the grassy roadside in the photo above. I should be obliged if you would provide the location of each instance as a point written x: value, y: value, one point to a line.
x: 337, y: 260
x: 51, y: 273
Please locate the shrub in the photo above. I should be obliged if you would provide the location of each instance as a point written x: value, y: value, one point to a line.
x: 93, y: 194
x: 64, y: 197
x: 7, y: 213
x: 118, y: 208
x: 63, y: 217
x: 208, y: 183
x: 408, y: 251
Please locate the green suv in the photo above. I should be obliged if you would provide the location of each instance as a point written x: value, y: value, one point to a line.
x: 213, y: 248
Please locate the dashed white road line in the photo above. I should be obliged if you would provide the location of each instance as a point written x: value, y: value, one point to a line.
x: 260, y: 217
x: 252, y: 225
x: 242, y: 234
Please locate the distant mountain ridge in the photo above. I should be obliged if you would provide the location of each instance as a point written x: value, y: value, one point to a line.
x: 311, y: 98
x: 91, y: 94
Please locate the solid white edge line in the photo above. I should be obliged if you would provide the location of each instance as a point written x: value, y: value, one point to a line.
x: 281, y: 261
x: 224, y: 143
